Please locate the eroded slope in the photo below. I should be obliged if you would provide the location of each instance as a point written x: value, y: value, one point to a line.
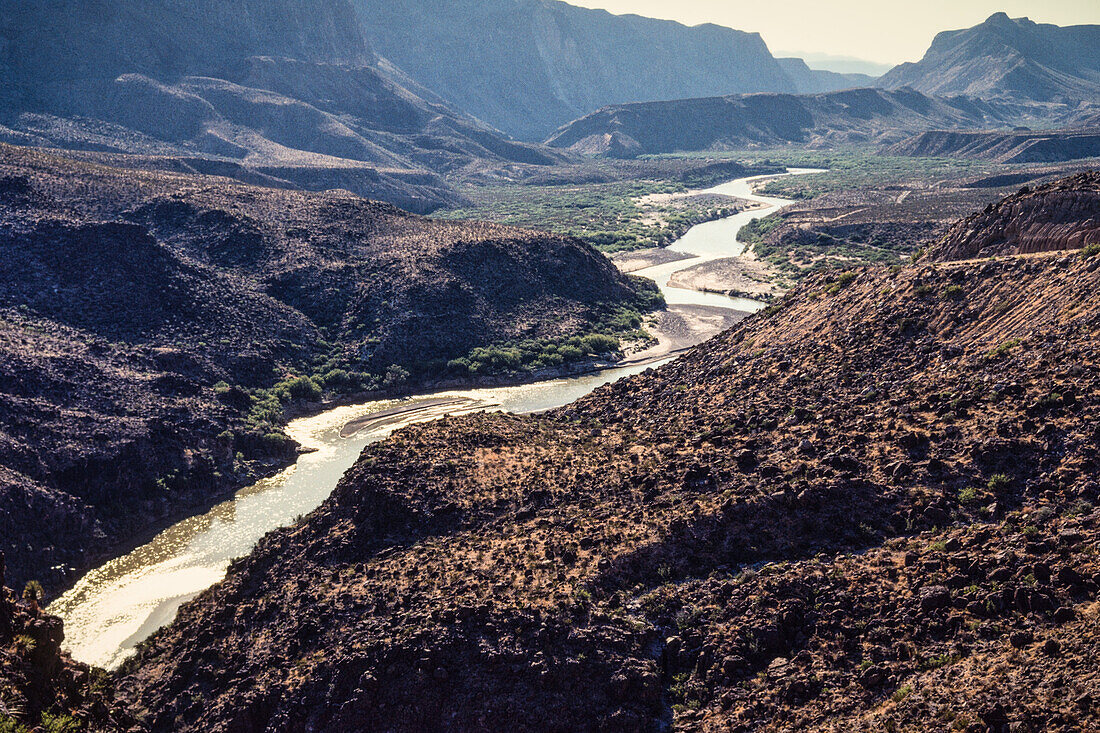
x: 646, y: 555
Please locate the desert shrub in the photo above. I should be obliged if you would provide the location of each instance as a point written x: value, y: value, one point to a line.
x: 32, y: 591
x: 61, y: 723
x: 395, y: 376
x: 1007, y: 346
x: 301, y: 388
x: 24, y: 644
x: 954, y: 292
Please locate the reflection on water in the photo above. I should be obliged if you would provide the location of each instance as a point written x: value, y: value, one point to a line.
x: 116, y: 606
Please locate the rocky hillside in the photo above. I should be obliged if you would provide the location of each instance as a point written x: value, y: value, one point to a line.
x: 551, y: 62
x: 1060, y: 215
x: 1050, y: 146
x: 40, y: 684
x: 128, y: 297
x: 872, y: 506
x: 1008, y: 58
x: 854, y: 115
x: 283, y: 93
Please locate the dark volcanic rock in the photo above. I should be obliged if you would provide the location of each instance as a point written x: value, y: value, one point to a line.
x: 36, y: 677
x: 581, y: 569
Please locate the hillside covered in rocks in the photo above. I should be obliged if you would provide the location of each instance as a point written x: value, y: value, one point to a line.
x: 152, y: 326
x: 871, y: 507
x: 40, y: 684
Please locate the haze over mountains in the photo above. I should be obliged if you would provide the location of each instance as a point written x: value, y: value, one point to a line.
x: 396, y: 100
x: 560, y: 62
x: 1006, y: 57
x: 853, y: 115
x: 283, y: 93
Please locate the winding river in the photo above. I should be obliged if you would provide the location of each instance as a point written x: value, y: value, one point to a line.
x: 116, y: 606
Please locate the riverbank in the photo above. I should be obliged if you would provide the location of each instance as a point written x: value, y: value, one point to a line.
x: 116, y: 606
x: 744, y: 276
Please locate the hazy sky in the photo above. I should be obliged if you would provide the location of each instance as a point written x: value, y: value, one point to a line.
x: 885, y: 31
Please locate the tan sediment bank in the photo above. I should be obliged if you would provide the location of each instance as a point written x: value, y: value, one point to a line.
x: 744, y: 276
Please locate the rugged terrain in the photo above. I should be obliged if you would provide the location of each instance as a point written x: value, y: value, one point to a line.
x: 745, y: 121
x: 40, y: 684
x: 872, y: 506
x: 1061, y: 215
x: 154, y: 326
x: 286, y: 93
x: 1008, y: 58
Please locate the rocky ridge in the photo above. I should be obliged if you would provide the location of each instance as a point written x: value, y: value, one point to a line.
x: 736, y: 122
x: 1009, y: 58
x: 1061, y: 215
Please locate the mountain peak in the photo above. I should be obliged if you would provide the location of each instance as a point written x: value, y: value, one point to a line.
x: 1008, y: 58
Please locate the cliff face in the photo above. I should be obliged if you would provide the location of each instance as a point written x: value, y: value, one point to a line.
x: 853, y: 115
x: 127, y: 296
x: 846, y: 510
x: 1005, y: 57
x: 550, y: 62
x: 1060, y: 215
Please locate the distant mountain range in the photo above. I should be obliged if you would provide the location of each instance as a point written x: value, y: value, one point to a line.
x: 1005, y: 57
x: 530, y: 66
x: 394, y: 100
x: 280, y: 92
x: 855, y: 115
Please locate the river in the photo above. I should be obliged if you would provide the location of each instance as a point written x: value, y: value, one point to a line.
x: 116, y: 606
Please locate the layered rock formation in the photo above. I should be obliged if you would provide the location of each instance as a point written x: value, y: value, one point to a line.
x: 1051, y: 146
x: 550, y: 62
x: 1061, y: 215
x: 872, y: 505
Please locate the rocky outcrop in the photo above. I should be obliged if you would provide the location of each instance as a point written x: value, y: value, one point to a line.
x: 1061, y: 215
x: 850, y: 506
x: 40, y: 684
